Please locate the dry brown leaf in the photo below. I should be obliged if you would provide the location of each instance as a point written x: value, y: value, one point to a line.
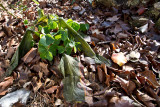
x: 1, y: 72
x: 102, y: 103
x: 145, y: 98
x: 2, y: 34
x: 36, y: 84
x: 5, y: 84
x: 153, y: 94
x: 5, y: 63
x: 51, y: 89
x: 10, y: 52
x: 128, y: 86
x: 107, y: 76
x: 150, y: 77
x: 119, y: 102
x: 30, y: 55
x: 101, y: 75
x: 44, y: 68
x: 119, y: 58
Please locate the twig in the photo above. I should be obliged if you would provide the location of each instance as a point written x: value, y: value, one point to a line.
x: 7, y: 11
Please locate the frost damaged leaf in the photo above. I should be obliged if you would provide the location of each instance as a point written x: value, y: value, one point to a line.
x: 119, y: 58
x: 71, y: 72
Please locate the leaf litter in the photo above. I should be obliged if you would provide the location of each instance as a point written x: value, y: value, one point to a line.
x: 132, y: 79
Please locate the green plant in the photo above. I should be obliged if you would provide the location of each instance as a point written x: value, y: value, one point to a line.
x: 54, y: 38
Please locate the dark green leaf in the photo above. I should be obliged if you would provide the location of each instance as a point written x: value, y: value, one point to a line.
x: 64, y: 34
x: 40, y: 28
x: 46, y: 40
x: 84, y: 27
x: 61, y: 49
x: 24, y: 47
x: 45, y: 30
x: 53, y: 49
x: 69, y: 50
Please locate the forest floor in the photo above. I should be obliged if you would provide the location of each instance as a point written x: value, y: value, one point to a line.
x: 128, y: 37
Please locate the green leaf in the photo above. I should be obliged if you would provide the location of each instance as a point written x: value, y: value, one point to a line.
x: 69, y: 50
x: 75, y: 49
x: 53, y: 49
x: 52, y: 24
x: 73, y: 24
x: 57, y: 37
x: 61, y: 49
x: 71, y: 73
x: 46, y: 40
x: 44, y: 52
x: 45, y: 30
x: 86, y: 48
x: 64, y: 34
x: 24, y: 47
x: 40, y: 13
x: 25, y: 21
x: 42, y: 19
x: 84, y: 27
x: 35, y: 1
x: 40, y: 28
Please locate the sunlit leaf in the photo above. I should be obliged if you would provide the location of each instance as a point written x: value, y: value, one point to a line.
x: 119, y: 58
x: 36, y: 1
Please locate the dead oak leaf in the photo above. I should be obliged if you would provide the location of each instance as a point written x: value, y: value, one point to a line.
x: 127, y: 85
x: 150, y: 77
